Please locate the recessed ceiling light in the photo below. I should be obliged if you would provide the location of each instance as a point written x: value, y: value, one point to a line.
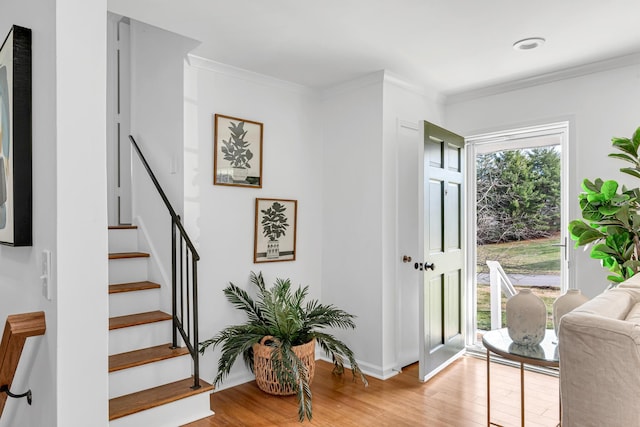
x: 529, y: 43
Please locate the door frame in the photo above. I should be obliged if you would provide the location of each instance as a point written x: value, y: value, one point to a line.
x: 506, y: 136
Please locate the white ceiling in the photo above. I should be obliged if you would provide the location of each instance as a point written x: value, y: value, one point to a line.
x: 450, y: 46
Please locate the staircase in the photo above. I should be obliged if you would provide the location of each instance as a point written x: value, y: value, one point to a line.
x: 150, y: 383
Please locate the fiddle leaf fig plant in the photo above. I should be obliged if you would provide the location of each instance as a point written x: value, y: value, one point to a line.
x: 611, y: 218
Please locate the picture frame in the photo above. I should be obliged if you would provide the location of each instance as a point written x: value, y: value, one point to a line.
x: 15, y: 139
x: 237, y: 152
x: 275, y: 230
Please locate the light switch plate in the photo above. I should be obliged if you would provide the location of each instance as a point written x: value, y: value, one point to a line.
x: 46, y: 274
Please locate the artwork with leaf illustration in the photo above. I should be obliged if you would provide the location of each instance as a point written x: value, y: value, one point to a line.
x: 237, y: 158
x: 15, y: 138
x: 275, y: 232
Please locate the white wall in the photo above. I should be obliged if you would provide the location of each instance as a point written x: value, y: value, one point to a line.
x: 352, y: 251
x: 68, y: 161
x: 81, y: 214
x: 598, y: 106
x: 20, y: 267
x: 221, y: 219
x: 157, y: 58
x: 403, y: 103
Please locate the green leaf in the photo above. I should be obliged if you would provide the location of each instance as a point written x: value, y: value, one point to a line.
x: 636, y: 139
x: 577, y: 228
x: 631, y: 171
x: 616, y: 279
x: 608, y: 210
x: 624, y: 144
x: 590, y: 187
x: 591, y: 213
x: 609, y: 189
x: 604, y: 249
x: 589, y: 236
x: 625, y: 157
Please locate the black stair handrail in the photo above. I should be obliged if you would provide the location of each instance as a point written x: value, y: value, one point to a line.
x: 181, y: 277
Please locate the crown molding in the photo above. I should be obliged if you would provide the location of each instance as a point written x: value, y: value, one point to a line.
x: 249, y: 76
x: 425, y: 91
x: 540, y: 79
x: 350, y: 85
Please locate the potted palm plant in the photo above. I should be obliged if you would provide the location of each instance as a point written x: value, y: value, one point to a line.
x: 277, y: 342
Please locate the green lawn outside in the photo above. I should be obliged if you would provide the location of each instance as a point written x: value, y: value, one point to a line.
x: 548, y: 295
x: 524, y: 257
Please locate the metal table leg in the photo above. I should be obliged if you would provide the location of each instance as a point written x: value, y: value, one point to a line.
x: 522, y: 393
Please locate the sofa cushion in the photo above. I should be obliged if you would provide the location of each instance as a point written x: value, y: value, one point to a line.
x: 614, y: 304
x: 634, y: 314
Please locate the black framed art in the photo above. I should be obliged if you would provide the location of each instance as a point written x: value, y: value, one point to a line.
x: 15, y: 138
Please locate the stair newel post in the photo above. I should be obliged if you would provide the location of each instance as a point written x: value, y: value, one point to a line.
x: 174, y: 283
x: 196, y: 339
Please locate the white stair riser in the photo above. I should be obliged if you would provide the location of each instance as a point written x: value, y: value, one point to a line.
x: 172, y: 414
x: 148, y: 376
x: 140, y: 336
x: 128, y: 270
x: 123, y: 303
x: 123, y: 240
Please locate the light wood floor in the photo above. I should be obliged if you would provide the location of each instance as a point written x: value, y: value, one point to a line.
x: 455, y: 397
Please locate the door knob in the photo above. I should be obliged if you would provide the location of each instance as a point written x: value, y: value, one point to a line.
x: 426, y: 266
x: 406, y: 258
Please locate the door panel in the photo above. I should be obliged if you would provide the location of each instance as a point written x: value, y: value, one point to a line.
x: 436, y: 338
x: 436, y: 197
x: 442, y: 337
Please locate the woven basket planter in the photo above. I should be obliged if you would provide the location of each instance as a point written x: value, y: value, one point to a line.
x: 266, y: 378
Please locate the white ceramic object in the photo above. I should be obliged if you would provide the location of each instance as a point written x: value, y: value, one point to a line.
x: 565, y: 303
x: 526, y: 318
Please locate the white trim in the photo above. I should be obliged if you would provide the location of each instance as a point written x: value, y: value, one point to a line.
x: 499, y: 139
x: 425, y: 91
x: 367, y: 80
x: 250, y: 76
x: 544, y: 78
x: 444, y: 365
x: 155, y: 256
x: 368, y: 369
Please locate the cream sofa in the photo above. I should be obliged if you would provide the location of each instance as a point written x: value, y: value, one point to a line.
x: 599, y: 349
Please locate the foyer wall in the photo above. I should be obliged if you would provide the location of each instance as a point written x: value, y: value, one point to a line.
x: 598, y: 107
x: 73, y: 231
x: 20, y: 289
x: 221, y: 219
x: 157, y: 111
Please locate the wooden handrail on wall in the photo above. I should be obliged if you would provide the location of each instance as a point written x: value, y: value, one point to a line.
x: 17, y: 329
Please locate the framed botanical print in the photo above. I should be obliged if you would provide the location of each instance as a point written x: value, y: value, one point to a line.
x: 275, y: 230
x: 15, y: 138
x: 237, y: 152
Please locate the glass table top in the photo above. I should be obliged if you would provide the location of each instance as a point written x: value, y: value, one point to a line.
x: 543, y: 354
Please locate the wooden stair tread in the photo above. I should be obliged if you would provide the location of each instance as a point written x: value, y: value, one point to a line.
x: 150, y: 398
x: 132, y: 286
x: 137, y: 319
x: 122, y: 227
x: 144, y: 356
x: 125, y: 255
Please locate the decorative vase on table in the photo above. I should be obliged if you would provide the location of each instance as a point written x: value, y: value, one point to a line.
x: 526, y: 318
x: 565, y: 303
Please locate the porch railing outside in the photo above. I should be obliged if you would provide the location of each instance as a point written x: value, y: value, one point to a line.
x: 499, y: 284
